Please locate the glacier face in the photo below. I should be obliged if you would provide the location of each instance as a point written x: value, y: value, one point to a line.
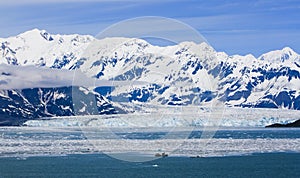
x: 184, y: 74
x: 231, y: 117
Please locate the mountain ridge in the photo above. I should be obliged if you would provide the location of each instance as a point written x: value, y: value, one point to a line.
x: 40, y: 31
x: 182, y: 74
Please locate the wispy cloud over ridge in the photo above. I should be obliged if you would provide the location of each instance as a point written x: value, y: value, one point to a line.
x: 12, y: 77
x: 21, y: 77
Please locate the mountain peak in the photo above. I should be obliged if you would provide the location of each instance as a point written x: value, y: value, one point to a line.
x: 33, y: 31
x: 36, y: 33
x: 280, y: 55
x: 288, y: 50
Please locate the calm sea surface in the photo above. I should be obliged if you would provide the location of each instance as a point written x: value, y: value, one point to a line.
x: 98, y: 165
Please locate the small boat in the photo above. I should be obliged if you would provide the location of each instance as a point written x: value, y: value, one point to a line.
x: 161, y: 154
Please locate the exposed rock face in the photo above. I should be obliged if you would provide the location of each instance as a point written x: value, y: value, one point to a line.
x: 293, y: 124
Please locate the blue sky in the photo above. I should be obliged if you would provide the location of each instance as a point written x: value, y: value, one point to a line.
x: 236, y: 26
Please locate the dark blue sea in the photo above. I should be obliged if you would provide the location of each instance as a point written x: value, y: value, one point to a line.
x: 285, y: 165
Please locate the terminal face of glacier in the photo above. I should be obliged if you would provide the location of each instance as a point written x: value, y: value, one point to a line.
x: 231, y: 117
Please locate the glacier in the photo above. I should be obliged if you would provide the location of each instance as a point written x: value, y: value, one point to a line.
x: 190, y: 118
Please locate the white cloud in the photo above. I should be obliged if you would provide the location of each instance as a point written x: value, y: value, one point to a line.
x: 17, y: 77
x: 21, y: 77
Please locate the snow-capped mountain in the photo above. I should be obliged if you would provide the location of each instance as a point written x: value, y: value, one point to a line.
x: 183, y: 74
x: 39, y: 48
x: 18, y: 106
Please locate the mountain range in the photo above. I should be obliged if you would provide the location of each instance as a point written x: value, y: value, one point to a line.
x: 40, y: 74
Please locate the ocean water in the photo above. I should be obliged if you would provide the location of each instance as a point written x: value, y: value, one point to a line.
x: 99, y: 165
x: 70, y: 152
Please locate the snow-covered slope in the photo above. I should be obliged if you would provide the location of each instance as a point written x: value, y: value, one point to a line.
x: 39, y: 48
x: 286, y: 54
x: 183, y: 74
